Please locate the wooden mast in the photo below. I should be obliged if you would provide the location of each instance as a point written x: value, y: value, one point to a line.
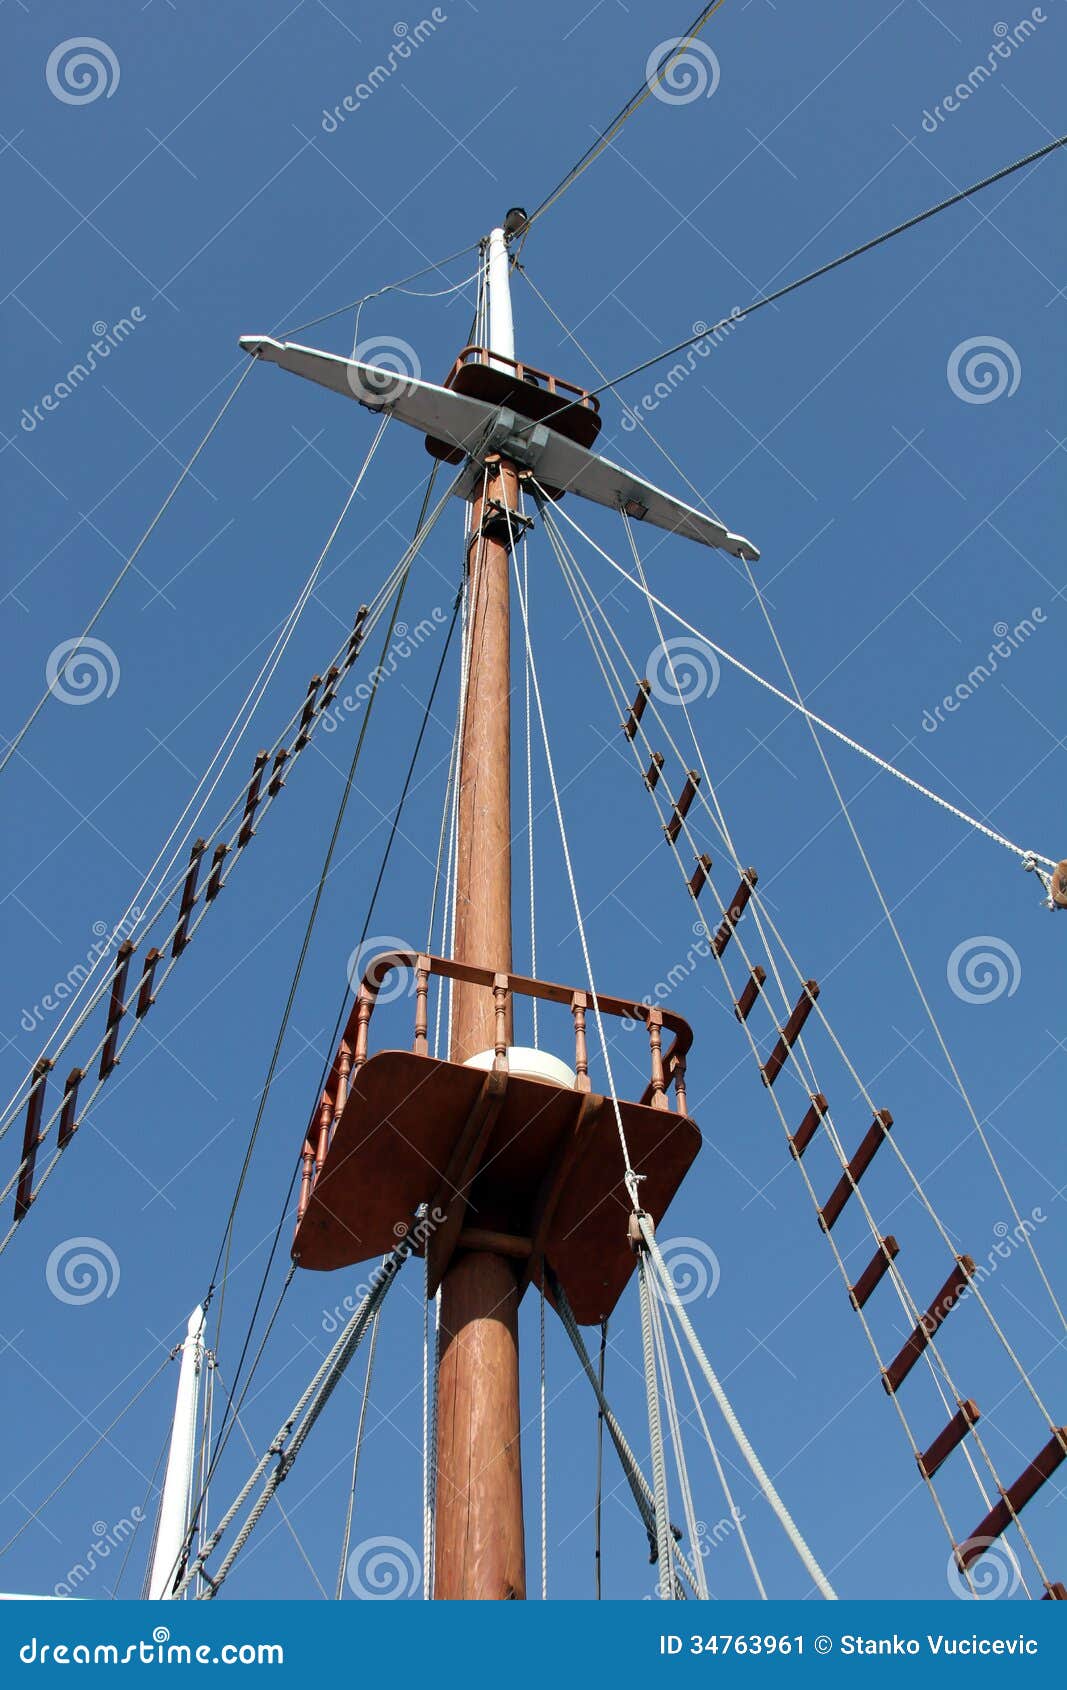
x: 480, y: 1551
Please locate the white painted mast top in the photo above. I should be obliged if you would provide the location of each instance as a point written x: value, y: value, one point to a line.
x: 501, y: 322
x: 177, y: 1484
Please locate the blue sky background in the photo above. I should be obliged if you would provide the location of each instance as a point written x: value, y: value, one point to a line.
x: 899, y: 524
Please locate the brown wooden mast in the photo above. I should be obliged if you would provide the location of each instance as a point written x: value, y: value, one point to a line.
x: 480, y: 1551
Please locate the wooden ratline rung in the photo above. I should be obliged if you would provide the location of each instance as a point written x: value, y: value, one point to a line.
x: 887, y: 1252
x: 954, y: 1433
x: 329, y: 691
x: 790, y: 1032
x: 700, y: 874
x: 68, y: 1118
x: 753, y: 988
x: 946, y: 1300
x: 733, y: 915
x: 214, y: 879
x: 652, y: 773
x: 839, y: 1196
x: 1014, y: 1499
x: 145, y: 1000
x: 355, y: 638
x: 1055, y: 1593
x: 809, y: 1125
x: 185, y: 908
x: 116, y: 1009
x: 252, y: 800
x: 31, y: 1138
x: 305, y: 717
x: 681, y: 805
x: 277, y: 774
x: 637, y: 709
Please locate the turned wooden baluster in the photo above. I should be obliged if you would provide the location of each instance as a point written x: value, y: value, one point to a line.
x: 364, y: 1008
x: 500, y: 1001
x: 325, y: 1120
x: 344, y: 1069
x: 655, y: 1043
x: 678, y: 1067
x: 422, y: 1006
x: 581, y: 1049
x: 307, y: 1178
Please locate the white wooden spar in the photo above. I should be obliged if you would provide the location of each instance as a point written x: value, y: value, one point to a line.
x: 177, y: 1483
x: 476, y: 427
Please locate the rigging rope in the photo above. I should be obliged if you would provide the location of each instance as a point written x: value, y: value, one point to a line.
x: 14, y: 744
x: 655, y: 1439
x: 911, y: 1309
x: 739, y: 314
x: 801, y: 709
x: 346, y: 1538
x: 673, y: 1422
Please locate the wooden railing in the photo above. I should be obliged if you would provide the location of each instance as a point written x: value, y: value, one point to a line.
x: 667, y: 1068
x: 525, y: 372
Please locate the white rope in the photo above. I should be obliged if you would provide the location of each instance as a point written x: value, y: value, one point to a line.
x: 801, y: 709
x: 630, y: 1177
x: 909, y: 965
x: 544, y: 1454
x: 655, y: 1439
x: 529, y: 799
x: 759, y: 1473
x: 680, y: 1464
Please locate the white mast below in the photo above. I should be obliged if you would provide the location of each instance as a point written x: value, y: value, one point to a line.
x: 177, y: 1483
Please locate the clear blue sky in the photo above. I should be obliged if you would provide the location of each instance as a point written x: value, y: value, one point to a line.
x: 899, y: 523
